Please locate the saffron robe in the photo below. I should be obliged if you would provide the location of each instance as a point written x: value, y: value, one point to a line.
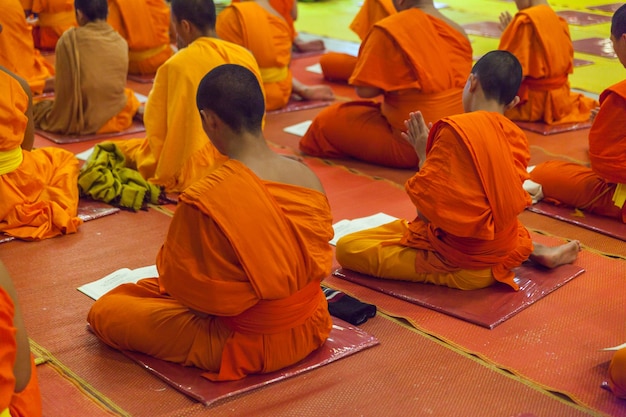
x: 259, y: 306
x: 38, y: 188
x: 285, y: 9
x: 371, y: 12
x: 470, y: 191
x: 592, y: 189
x: 176, y: 151
x: 268, y: 37
x: 90, y: 87
x: 421, y: 63
x: 26, y: 403
x: 541, y: 41
x: 145, y: 24
x: 53, y: 18
x: 17, y: 50
x: 617, y: 373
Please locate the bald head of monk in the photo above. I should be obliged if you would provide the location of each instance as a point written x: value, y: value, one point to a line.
x: 493, y: 83
x: 193, y: 19
x: 618, y: 34
x: 407, y: 4
x: 525, y: 4
x: 90, y: 11
x: 231, y: 104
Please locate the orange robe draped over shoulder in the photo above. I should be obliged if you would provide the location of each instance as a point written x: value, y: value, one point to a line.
x: 26, y: 403
x: 145, y: 24
x: 421, y: 63
x: 90, y: 87
x: 267, y: 36
x: 592, y: 189
x: 248, y: 257
x: 17, y: 50
x: 284, y: 8
x: 176, y: 151
x: 54, y: 18
x: 371, y: 12
x: 470, y: 191
x: 540, y: 39
x: 38, y: 189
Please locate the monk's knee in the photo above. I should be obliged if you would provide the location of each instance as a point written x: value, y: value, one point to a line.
x: 617, y: 373
x: 337, y: 66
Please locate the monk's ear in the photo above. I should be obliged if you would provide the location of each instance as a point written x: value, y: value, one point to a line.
x: 512, y: 104
x: 473, y: 82
x: 209, y: 120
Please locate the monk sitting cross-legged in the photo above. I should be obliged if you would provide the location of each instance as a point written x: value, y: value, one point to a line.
x: 38, y: 188
x: 468, y: 194
x: 145, y: 24
x: 53, y: 18
x: 256, y: 26
x: 90, y: 86
x: 540, y: 39
x: 17, y: 50
x: 601, y: 188
x: 175, y: 151
x: 238, y: 290
x: 415, y: 59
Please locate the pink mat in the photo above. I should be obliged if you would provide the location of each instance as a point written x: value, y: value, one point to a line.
x: 546, y: 130
x: 577, y: 18
x: 87, y: 210
x: 295, y: 105
x: 610, y: 8
x: 141, y: 78
x: 605, y: 225
x: 136, y: 128
x: 487, y: 29
x: 344, y: 340
x: 487, y: 307
x: 582, y: 62
x: 595, y: 46
x: 298, y: 54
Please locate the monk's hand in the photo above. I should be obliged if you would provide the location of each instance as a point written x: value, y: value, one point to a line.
x: 593, y: 114
x: 505, y: 19
x: 417, y: 133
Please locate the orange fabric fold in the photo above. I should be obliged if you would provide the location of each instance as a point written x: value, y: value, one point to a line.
x: 145, y: 24
x: 268, y: 37
x: 371, y: 12
x: 284, y: 8
x: 17, y: 50
x: 617, y: 373
x: 540, y: 39
x: 55, y: 17
x: 476, y: 161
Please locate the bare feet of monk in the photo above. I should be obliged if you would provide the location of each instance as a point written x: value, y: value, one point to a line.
x: 308, y: 46
x: 316, y: 92
x: 551, y: 257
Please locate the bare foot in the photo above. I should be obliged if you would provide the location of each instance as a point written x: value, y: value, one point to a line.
x: 551, y: 257
x: 309, y: 46
x: 317, y: 92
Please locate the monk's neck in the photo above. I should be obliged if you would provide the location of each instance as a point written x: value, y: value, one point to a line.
x: 248, y: 148
x: 534, y: 3
x: 209, y: 33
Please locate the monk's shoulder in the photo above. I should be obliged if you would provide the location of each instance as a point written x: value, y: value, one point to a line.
x: 297, y: 173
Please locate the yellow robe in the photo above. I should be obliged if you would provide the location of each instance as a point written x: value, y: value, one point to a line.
x: 54, y: 18
x: 176, y: 151
x: 17, y: 50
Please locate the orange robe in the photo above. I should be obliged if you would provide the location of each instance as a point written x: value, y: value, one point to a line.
x: 284, y: 8
x: 26, y: 403
x: 17, y: 50
x: 176, y: 151
x: 617, y: 373
x: 592, y: 189
x: 470, y: 190
x: 145, y: 24
x: 371, y: 12
x: 402, y: 55
x: 259, y: 306
x: 54, y: 18
x: 39, y: 188
x: 268, y: 37
x: 90, y: 89
x: 540, y: 39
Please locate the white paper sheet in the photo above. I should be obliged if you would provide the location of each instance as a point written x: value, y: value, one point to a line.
x: 299, y: 129
x: 97, y: 289
x: 345, y: 227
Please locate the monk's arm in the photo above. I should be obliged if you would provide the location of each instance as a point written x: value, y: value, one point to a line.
x: 29, y: 133
x: 294, y: 10
x: 22, y: 367
x: 368, y: 92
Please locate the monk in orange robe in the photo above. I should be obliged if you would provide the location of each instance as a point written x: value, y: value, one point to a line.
x: 600, y: 188
x: 17, y: 50
x: 540, y: 39
x: 222, y: 302
x: 90, y: 89
x: 256, y: 26
x: 53, y: 18
x: 468, y: 194
x: 145, y: 24
x: 19, y: 390
x: 175, y: 151
x: 617, y: 374
x: 400, y: 59
x: 38, y: 187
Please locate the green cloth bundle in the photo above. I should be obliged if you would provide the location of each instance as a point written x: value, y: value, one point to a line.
x: 106, y: 178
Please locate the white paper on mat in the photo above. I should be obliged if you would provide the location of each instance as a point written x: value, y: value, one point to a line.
x: 622, y: 346
x: 97, y: 289
x: 299, y: 129
x: 345, y: 227
x: 315, y: 68
x: 83, y: 156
